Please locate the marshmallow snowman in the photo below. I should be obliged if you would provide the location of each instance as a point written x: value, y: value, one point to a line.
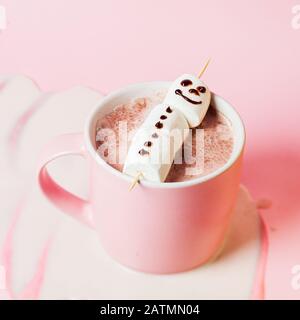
x: 163, y: 132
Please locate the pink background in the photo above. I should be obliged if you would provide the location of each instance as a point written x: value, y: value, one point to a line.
x: 255, y: 65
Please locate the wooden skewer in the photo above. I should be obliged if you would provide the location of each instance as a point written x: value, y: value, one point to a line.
x: 135, y: 181
x: 204, y: 68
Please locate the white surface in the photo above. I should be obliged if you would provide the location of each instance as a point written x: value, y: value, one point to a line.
x: 77, y: 266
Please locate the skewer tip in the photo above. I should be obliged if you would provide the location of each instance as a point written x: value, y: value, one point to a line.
x: 204, y: 68
x: 135, y: 181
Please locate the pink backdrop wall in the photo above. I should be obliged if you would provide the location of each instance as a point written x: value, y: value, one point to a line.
x: 255, y: 65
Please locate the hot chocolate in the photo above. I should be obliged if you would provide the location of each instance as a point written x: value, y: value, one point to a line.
x: 207, y: 148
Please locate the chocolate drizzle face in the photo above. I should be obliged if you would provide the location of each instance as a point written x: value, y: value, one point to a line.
x: 148, y: 144
x: 194, y: 91
x: 163, y: 117
x: 143, y: 152
x: 169, y: 110
x: 159, y: 125
x: 201, y: 89
x: 179, y: 92
x: 186, y: 83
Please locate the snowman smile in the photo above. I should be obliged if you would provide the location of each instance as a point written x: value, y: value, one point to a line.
x: 179, y: 92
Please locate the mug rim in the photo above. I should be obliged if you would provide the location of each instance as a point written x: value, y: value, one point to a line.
x: 164, y: 185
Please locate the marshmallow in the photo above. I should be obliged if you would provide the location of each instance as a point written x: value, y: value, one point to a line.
x: 162, y: 134
x: 156, y: 143
x: 191, y: 96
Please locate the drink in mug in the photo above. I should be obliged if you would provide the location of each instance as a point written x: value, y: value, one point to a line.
x: 207, y: 148
x: 157, y: 227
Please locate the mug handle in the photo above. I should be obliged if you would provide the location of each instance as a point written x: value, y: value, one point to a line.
x: 64, y: 145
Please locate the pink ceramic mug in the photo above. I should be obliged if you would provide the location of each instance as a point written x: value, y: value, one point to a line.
x: 157, y: 227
